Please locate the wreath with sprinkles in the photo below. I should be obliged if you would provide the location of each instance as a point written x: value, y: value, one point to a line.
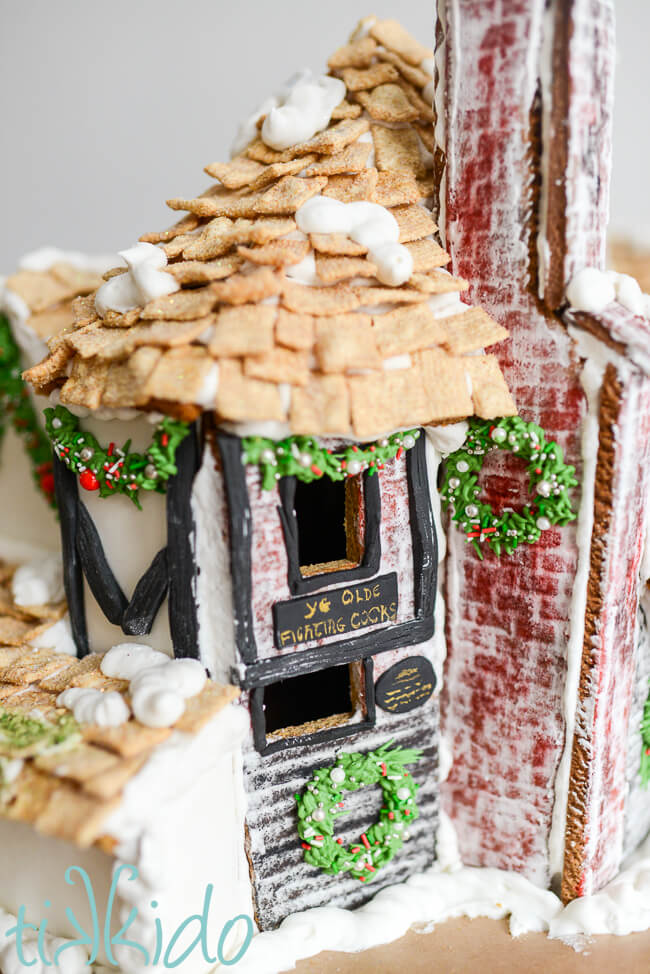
x: 115, y: 470
x: 550, y: 482
x: 16, y: 407
x: 322, y: 802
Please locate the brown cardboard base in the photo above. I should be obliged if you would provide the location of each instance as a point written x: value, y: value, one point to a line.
x: 470, y: 946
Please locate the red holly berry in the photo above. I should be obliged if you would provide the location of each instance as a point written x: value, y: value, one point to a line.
x: 47, y: 484
x: 88, y: 480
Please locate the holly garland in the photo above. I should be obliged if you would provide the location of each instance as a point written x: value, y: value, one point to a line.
x: 645, y: 745
x: 550, y: 481
x: 115, y: 470
x: 322, y: 802
x: 16, y: 406
x: 304, y: 457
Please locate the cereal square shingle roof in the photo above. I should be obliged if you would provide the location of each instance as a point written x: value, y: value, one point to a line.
x: 269, y: 323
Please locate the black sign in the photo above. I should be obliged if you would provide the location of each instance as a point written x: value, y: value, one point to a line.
x: 406, y: 685
x: 334, y: 613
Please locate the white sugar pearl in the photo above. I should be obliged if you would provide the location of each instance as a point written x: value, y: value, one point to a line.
x: 544, y: 488
x: 498, y: 434
x: 543, y: 523
x: 408, y: 441
x: 337, y: 775
x: 354, y: 467
x: 403, y: 794
x: 454, y: 482
x: 267, y: 456
x: 462, y: 466
x: 471, y: 510
x: 305, y: 460
x: 56, y: 423
x: 319, y: 815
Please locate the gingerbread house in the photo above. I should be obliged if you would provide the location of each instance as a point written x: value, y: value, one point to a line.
x: 296, y: 360
x: 547, y: 669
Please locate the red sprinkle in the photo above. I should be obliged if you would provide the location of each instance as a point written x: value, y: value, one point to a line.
x: 316, y: 470
x: 364, y: 839
x: 538, y: 469
x: 305, y: 846
x: 111, y: 447
x: 344, y: 464
x: 399, y: 453
x: 407, y: 811
x: 340, y: 841
x: 383, y: 769
x: 391, y: 815
x: 356, y: 849
x: 369, y: 867
x: 164, y: 439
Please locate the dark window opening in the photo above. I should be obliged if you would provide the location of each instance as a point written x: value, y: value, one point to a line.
x: 329, y: 516
x: 315, y: 701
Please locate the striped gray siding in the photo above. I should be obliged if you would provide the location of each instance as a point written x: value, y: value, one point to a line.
x: 283, y: 882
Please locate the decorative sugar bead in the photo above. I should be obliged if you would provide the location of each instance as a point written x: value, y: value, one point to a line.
x: 319, y: 815
x: 454, y: 482
x: 267, y: 456
x: 498, y: 434
x: 408, y: 441
x: 354, y: 467
x: 337, y: 775
x: 87, y: 454
x: 305, y: 460
x: 471, y: 510
x: 56, y: 423
x: 462, y: 466
x: 403, y: 794
x: 150, y: 472
x: 544, y: 488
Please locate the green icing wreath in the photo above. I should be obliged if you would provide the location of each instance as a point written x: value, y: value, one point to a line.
x: 645, y: 744
x: 322, y: 802
x: 16, y: 406
x: 550, y: 481
x: 115, y: 470
x: 304, y: 457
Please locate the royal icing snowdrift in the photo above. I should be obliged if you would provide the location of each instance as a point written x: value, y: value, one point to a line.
x: 248, y: 418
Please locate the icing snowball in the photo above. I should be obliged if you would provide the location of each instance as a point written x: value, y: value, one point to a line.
x: 91, y: 706
x: 57, y: 637
x: 307, y: 109
x: 591, y: 290
x: 629, y: 293
x: 125, y: 660
x: 39, y: 582
x: 368, y: 224
x: 144, y: 280
x: 159, y: 686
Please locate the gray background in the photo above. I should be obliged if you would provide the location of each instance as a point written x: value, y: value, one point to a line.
x: 108, y: 108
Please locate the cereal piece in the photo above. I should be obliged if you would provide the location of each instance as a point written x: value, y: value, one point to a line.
x: 387, y: 401
x: 336, y: 244
x: 126, y: 380
x: 39, y: 289
x: 471, y: 330
x: 360, y: 79
x: 249, y: 287
x: 279, y: 253
x: 170, y: 333
x: 333, y: 139
x: 408, y: 329
x: 369, y: 296
x: 8, y: 654
x: 179, y: 375
x: 79, y: 764
x: 181, y: 306
x: 216, y: 238
x: 356, y: 55
x: 83, y: 310
x: 388, y: 103
x: 240, y: 398
x: 188, y: 223
x: 423, y: 108
x: 395, y: 189
x: 322, y: 406
x: 346, y: 342
x: 346, y: 110
x: 490, y: 393
x: 73, y: 816
x: 176, y: 246
x: 32, y: 791
x: 437, y: 282
x: 86, y: 383
x: 202, y: 708
x: 114, y: 272
x: 104, y: 343
x: 351, y: 159
x: 294, y: 331
x: 415, y: 75
x: 244, y: 330
x: 265, y: 229
x: 398, y: 150
x: 33, y: 666
x: 444, y: 381
x: 129, y: 740
x: 201, y: 272
x: 116, y: 320
x: 237, y: 173
x: 319, y: 300
x: 278, y: 169
x: 349, y: 189
x: 61, y: 680
x: 289, y: 194
x: 47, y: 374
x: 279, y: 365
x: 427, y: 134
x: 78, y: 280
x: 333, y: 269
x: 426, y: 186
x: 49, y: 323
x: 414, y: 222
x: 427, y: 255
x: 111, y: 782
x: 391, y: 35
